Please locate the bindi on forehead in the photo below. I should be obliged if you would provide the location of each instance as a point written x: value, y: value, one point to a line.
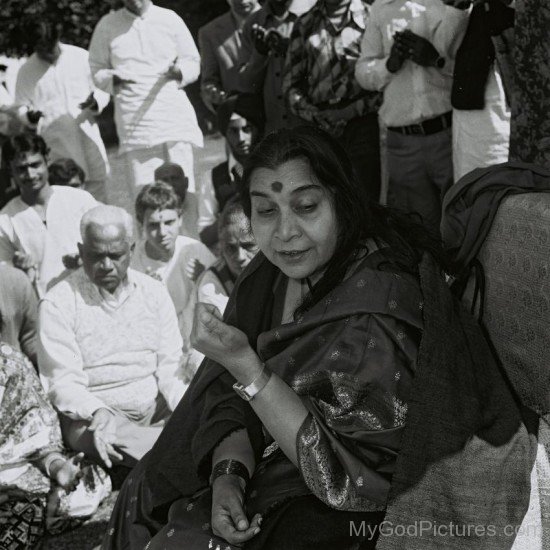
x: 277, y: 186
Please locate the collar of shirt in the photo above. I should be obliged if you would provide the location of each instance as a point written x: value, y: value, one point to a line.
x: 233, y: 165
x: 269, y: 15
x: 356, y: 12
x: 115, y: 299
x: 145, y: 14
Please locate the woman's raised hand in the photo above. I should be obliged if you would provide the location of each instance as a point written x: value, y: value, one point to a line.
x: 224, y: 344
x: 229, y: 520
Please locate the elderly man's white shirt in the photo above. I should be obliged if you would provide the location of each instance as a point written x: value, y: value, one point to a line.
x: 57, y: 90
x: 152, y: 109
x: 117, y: 354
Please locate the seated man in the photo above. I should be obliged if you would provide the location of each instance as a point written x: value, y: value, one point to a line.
x: 41, y: 225
x: 171, y: 258
x: 173, y: 174
x: 109, y: 347
x: 241, y: 121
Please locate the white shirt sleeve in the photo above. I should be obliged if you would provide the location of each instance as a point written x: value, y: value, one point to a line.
x: 102, y: 98
x: 170, y: 374
x: 100, y: 63
x: 24, y: 97
x: 189, y: 60
x: 61, y: 366
x: 208, y: 204
x: 7, y: 248
x: 370, y: 69
x: 449, y: 33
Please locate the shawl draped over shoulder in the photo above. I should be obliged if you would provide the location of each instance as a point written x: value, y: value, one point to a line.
x: 351, y: 357
x: 434, y: 435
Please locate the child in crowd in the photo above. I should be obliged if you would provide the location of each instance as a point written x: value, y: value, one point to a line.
x: 67, y: 172
x: 173, y: 174
x: 170, y: 257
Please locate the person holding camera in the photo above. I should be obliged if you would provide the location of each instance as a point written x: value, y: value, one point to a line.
x: 408, y: 53
x: 265, y: 42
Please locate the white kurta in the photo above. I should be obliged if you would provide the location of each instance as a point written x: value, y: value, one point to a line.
x: 57, y: 90
x: 181, y: 289
x: 117, y: 353
x: 152, y: 109
x: 21, y: 229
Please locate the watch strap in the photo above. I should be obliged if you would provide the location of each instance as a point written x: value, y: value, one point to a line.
x: 248, y: 392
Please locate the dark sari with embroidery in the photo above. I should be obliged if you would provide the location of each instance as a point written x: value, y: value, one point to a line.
x: 352, y: 357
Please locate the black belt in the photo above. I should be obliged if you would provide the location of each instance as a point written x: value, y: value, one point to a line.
x: 427, y: 127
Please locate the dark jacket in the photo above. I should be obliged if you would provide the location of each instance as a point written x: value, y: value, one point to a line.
x: 477, y: 54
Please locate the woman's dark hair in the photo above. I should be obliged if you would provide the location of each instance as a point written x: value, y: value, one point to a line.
x: 233, y: 208
x: 156, y: 196
x: 358, y: 217
x: 62, y: 171
x: 26, y: 142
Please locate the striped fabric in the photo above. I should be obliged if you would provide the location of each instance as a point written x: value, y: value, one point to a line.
x: 320, y: 63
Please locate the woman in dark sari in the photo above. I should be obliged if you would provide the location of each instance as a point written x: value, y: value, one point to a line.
x: 289, y: 435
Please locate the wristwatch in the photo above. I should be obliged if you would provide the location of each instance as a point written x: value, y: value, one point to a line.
x: 440, y: 62
x: 248, y: 392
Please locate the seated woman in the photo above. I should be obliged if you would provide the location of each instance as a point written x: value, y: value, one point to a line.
x: 294, y: 427
x: 237, y: 248
x: 40, y: 486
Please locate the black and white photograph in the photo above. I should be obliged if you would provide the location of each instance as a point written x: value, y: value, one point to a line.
x: 274, y: 274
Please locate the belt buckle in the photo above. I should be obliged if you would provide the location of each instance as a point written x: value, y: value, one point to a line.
x: 416, y: 129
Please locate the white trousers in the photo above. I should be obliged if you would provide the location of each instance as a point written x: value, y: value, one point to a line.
x: 481, y: 138
x: 140, y: 164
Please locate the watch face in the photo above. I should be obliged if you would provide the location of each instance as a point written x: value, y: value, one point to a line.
x: 241, y: 391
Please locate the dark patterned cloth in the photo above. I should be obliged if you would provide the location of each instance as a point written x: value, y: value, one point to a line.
x: 22, y: 523
x: 530, y: 129
x: 462, y: 479
x: 471, y: 204
x: 320, y: 64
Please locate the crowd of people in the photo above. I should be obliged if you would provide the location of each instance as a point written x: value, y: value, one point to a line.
x: 256, y: 347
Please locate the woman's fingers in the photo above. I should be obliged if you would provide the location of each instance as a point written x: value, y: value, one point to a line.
x: 256, y: 521
x: 238, y: 517
x: 225, y: 528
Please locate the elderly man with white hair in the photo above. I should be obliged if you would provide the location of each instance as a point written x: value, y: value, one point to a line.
x: 110, y: 347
